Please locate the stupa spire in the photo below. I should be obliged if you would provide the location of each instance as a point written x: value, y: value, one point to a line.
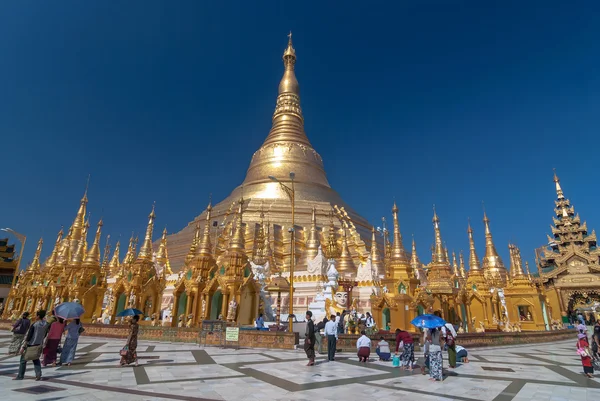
x: 440, y: 253
x: 415, y: 263
x: 79, y: 223
x: 455, y: 270
x: 313, y: 242
x: 51, y: 261
x: 493, y: 267
x: 205, y: 247
x: 463, y: 273
x: 146, y: 249
x: 114, y: 264
x: 398, y: 252
x: 35, y: 264
x: 106, y: 254
x: 346, y: 265
x: 92, y: 258
x: 376, y: 261
x: 474, y: 264
x: 559, y: 191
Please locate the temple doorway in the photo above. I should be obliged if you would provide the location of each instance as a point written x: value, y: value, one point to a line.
x: 121, y: 303
x: 182, y: 306
x: 387, y: 320
x: 216, y: 304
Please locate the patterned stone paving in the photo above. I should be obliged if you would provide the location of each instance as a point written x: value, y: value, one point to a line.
x: 175, y: 371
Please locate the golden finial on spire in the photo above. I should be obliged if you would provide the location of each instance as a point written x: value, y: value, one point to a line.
x: 92, y: 258
x: 559, y: 191
x: 51, y: 261
x: 115, y: 264
x: 493, y: 267
x: 146, y: 248
x: 440, y: 254
x: 205, y: 244
x: 35, y: 264
x: 474, y: 263
x: 332, y: 249
x: 398, y: 252
x: 415, y: 263
x: 463, y: 273
x: 313, y: 242
x: 455, y: 272
x: 376, y: 262
x: 346, y: 264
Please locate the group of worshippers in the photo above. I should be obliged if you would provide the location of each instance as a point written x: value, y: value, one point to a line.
x: 589, y: 353
x: 40, y: 341
x: 432, y: 340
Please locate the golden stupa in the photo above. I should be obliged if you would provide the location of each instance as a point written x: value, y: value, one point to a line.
x: 285, y: 150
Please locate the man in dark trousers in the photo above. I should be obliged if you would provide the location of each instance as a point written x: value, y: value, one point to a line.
x: 331, y: 332
x: 309, y: 339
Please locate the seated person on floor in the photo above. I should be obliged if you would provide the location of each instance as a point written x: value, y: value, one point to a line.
x: 383, y: 350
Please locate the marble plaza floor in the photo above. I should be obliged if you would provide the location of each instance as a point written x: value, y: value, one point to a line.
x: 175, y: 371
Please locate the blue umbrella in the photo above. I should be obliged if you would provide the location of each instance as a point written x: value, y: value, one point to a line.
x: 130, y: 312
x: 428, y: 321
x: 69, y: 310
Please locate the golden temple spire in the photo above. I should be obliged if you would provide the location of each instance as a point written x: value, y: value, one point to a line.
x: 493, y: 267
x: 237, y: 241
x: 161, y: 255
x: 51, y: 261
x: 114, y: 264
x: 332, y: 249
x: 473, y: 258
x: 313, y: 243
x: 205, y: 244
x: 559, y: 192
x: 398, y: 252
x: 376, y: 261
x: 35, y: 264
x: 130, y: 255
x: 415, y: 263
x: 79, y: 223
x: 106, y: 254
x: 527, y: 270
x: 146, y: 249
x: 455, y: 272
x: 92, y: 257
x: 463, y: 273
x: 446, y: 253
x: 346, y: 265
x: 440, y: 254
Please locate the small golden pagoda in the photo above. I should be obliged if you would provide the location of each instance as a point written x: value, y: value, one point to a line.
x: 477, y: 291
x: 8, y: 268
x: 523, y: 302
x: 394, y: 305
x: 136, y: 282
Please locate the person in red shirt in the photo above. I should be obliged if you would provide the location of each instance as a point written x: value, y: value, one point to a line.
x: 408, y: 354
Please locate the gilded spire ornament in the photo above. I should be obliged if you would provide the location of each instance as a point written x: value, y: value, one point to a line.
x: 34, y: 266
x: 493, y: 267
x: 332, y: 250
x: 114, y: 265
x: 52, y: 259
x: 313, y: 242
x: 456, y: 272
x: 130, y: 255
x: 398, y: 252
x: 439, y: 279
x: 259, y: 256
x: 440, y: 254
x: 195, y: 243
x: 146, y: 249
x: 205, y: 247
x: 415, y: 263
x: 376, y: 261
x: 474, y: 265
x: 92, y: 257
x: 106, y: 255
x: 463, y: 273
x: 161, y: 255
x: 345, y: 265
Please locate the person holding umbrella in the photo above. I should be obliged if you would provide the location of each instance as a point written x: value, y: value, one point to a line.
x: 74, y: 330
x: 128, y: 353
x: 434, y: 335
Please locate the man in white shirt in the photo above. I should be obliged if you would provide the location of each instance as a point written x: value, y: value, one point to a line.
x: 363, y: 344
x: 331, y: 331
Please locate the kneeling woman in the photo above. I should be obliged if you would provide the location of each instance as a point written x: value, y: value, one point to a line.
x: 363, y: 344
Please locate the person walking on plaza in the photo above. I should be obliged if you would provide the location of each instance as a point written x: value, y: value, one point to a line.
x: 331, y: 332
x: 19, y: 328
x: 435, y: 354
x: 309, y: 339
x: 74, y: 330
x: 383, y: 350
x: 318, y: 336
x: 55, y: 333
x: 129, y: 354
x: 363, y: 345
x: 583, y: 350
x: 32, y: 347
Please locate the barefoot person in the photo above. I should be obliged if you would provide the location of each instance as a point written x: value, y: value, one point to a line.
x: 74, y: 330
x: 32, y: 348
x: 19, y: 329
x: 583, y: 350
x: 131, y: 347
x: 309, y: 339
x: 331, y: 332
x: 363, y: 345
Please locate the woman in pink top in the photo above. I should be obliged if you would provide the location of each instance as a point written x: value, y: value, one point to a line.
x: 52, y: 341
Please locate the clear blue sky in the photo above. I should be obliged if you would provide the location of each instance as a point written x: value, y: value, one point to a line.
x: 445, y: 102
